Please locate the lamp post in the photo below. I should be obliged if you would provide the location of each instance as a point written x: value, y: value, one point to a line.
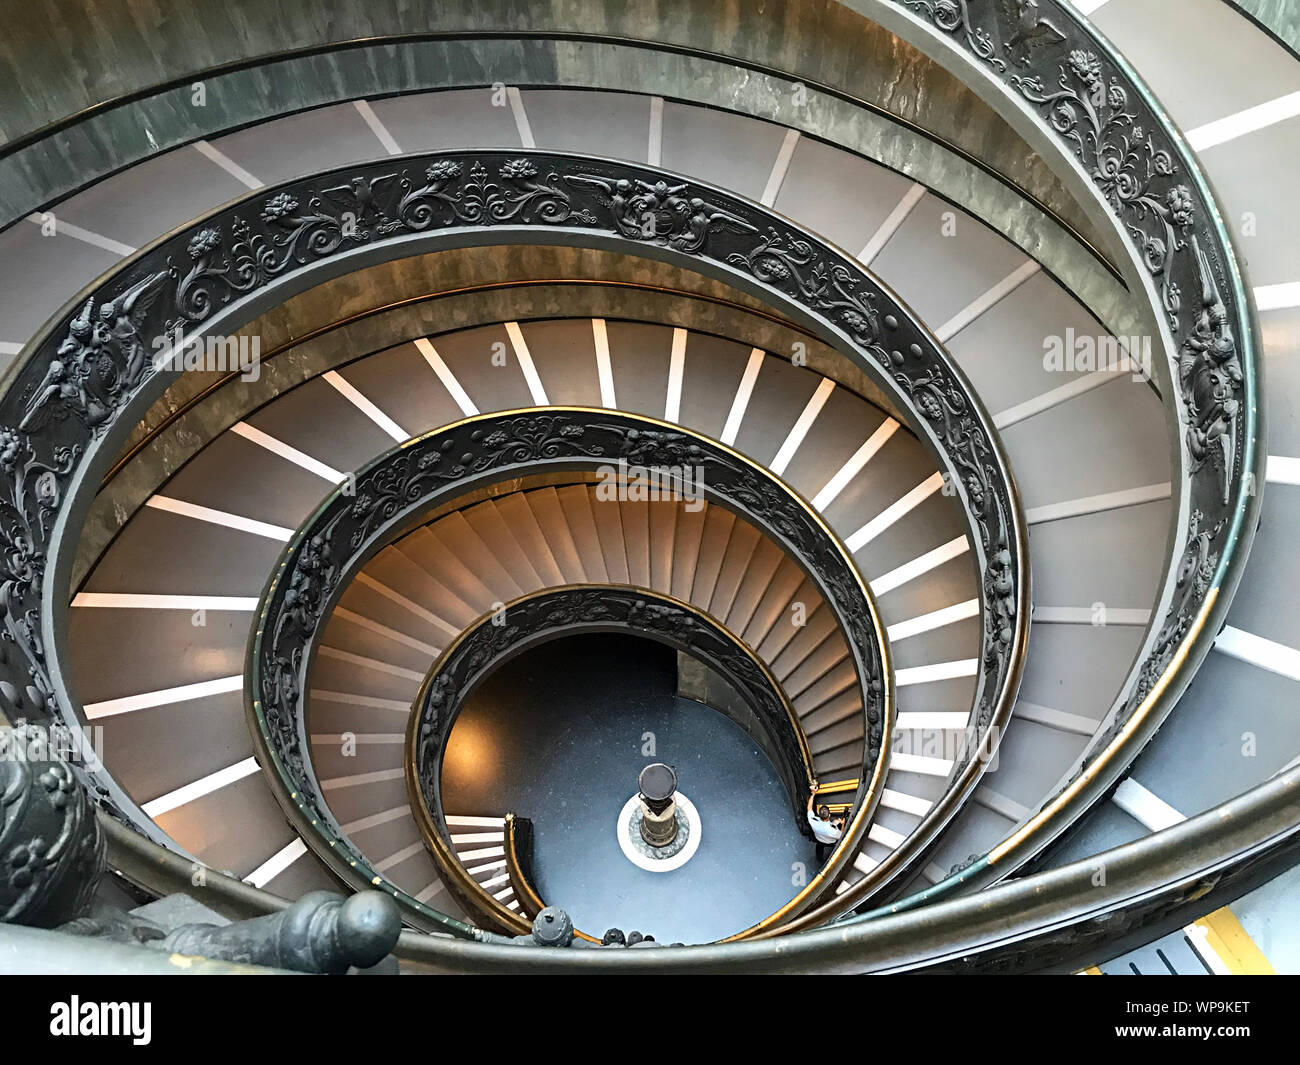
x: 656, y: 787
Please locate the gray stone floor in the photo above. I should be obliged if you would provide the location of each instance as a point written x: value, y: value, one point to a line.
x: 558, y: 735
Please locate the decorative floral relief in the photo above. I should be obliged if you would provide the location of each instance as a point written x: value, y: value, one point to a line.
x: 659, y: 211
x: 1093, y: 114
x: 70, y: 392
x: 1136, y: 164
x: 798, y: 268
x: 953, y: 16
x: 1209, y: 375
x: 30, y: 492
x: 102, y: 360
x: 1193, y: 578
x: 51, y: 848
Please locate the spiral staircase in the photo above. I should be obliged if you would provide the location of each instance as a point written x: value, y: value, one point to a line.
x: 996, y: 436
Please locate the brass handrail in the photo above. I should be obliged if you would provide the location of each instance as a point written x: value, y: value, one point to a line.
x: 1020, y: 922
x: 303, y: 236
x: 529, y: 901
x: 427, y: 808
x: 310, y: 578
x: 1047, y: 921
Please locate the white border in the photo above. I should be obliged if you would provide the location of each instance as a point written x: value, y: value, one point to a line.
x: 659, y: 865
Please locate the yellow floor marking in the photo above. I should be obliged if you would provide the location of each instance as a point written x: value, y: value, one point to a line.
x: 1226, y: 937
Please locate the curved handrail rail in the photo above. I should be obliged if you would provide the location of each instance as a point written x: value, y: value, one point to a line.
x: 516, y: 842
x: 1041, y: 921
x: 552, y: 613
x: 1045, y: 918
x: 1210, y: 331
x: 391, y: 492
x: 70, y: 400
x: 1085, y: 108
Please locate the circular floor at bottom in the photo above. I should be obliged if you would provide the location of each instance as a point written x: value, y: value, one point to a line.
x: 559, y: 736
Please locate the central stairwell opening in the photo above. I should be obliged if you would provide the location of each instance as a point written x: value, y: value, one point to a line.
x: 559, y: 735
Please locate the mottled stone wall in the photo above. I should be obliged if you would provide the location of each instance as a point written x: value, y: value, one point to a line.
x: 65, y: 56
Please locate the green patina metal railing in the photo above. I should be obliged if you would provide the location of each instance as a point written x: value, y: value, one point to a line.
x: 1073, y: 95
x: 71, y: 400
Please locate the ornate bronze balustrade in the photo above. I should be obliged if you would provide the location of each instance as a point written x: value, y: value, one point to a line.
x: 1050, y: 68
x: 393, y: 491
x: 1075, y: 98
x: 71, y: 400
